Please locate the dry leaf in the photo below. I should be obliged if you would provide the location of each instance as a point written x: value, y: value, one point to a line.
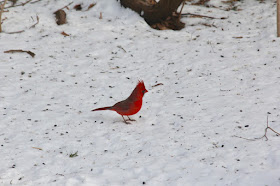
x: 65, y: 34
x: 91, y: 5
x: 60, y: 16
x: 78, y: 7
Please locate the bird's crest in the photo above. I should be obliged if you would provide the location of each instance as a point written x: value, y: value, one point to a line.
x: 140, y: 82
x: 141, y: 87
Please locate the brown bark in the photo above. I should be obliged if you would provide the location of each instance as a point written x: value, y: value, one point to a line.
x: 155, y: 13
x: 278, y: 18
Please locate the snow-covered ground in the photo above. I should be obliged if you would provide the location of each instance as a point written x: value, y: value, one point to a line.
x: 218, y: 82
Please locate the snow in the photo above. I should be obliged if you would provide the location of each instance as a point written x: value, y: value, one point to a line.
x: 218, y: 82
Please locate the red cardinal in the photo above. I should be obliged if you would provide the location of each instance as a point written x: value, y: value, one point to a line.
x: 131, y: 105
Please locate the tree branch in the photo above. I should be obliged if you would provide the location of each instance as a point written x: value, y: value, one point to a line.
x: 1, y: 11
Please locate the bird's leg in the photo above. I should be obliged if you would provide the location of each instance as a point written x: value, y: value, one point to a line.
x: 125, y: 120
x: 131, y: 119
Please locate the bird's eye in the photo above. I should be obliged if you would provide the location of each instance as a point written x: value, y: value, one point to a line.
x: 143, y: 91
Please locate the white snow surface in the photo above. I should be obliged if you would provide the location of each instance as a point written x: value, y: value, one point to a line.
x: 215, y: 82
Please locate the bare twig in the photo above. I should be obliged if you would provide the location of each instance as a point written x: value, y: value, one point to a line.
x: 66, y: 6
x: 33, y: 26
x: 180, y: 13
x: 244, y: 138
x: 15, y: 32
x: 37, y: 148
x: 1, y: 11
x: 35, y: 1
x: 208, y: 25
x: 119, y: 46
x: 265, y: 132
x: 21, y: 51
x: 157, y: 85
x: 238, y: 37
x: 202, y: 16
x: 22, y: 4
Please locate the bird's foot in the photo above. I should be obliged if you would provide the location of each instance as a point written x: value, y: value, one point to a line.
x: 127, y: 123
x: 129, y: 119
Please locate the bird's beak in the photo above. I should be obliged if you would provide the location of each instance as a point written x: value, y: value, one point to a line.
x: 146, y: 91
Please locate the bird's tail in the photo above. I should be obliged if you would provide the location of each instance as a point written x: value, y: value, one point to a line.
x: 103, y: 108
